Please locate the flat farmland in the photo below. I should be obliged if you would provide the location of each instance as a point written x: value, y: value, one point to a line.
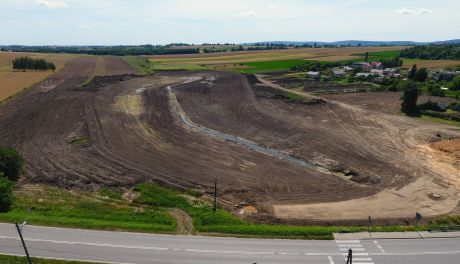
x: 12, y: 82
x: 430, y: 64
x: 230, y: 60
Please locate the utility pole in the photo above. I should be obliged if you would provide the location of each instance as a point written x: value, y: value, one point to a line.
x: 215, y: 195
x: 22, y: 240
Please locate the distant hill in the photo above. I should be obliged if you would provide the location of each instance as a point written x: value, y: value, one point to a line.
x: 354, y: 43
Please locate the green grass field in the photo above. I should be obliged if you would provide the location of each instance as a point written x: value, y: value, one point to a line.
x: 142, y: 65
x: 268, y: 66
x: 58, y: 207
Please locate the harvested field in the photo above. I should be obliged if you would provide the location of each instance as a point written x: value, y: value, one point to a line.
x: 108, y: 66
x: 430, y: 64
x: 12, y: 82
x: 225, y: 58
x: 183, y: 129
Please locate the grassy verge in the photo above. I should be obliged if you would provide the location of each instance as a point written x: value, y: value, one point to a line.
x: 57, y: 207
x: 148, y: 213
x: 440, y: 120
x: 222, y: 222
x: 8, y: 259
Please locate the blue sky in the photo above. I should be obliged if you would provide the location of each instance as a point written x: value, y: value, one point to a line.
x: 112, y: 22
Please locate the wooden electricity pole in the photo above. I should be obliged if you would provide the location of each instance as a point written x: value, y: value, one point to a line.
x: 215, y: 195
x: 23, y: 243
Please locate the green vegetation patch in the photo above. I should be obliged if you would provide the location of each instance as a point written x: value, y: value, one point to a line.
x: 268, y: 66
x: 141, y: 64
x: 383, y: 55
x: 58, y: 207
x: 78, y: 140
x: 6, y: 259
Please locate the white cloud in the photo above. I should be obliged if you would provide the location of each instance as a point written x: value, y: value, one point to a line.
x: 406, y: 11
x: 84, y: 26
x: 424, y: 11
x: 248, y: 13
x: 52, y: 4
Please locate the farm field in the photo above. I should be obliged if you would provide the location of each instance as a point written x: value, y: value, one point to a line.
x: 12, y: 82
x: 265, y: 145
x: 225, y: 60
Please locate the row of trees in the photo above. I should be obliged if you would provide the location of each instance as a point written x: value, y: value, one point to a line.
x: 10, y: 166
x: 432, y: 52
x: 26, y: 63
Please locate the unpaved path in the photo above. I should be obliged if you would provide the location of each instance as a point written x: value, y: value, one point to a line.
x: 184, y: 221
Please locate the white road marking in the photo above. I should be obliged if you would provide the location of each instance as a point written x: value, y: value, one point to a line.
x: 354, y: 249
x: 357, y: 254
x: 347, y: 241
x: 86, y: 243
x: 379, y: 246
x: 331, y: 261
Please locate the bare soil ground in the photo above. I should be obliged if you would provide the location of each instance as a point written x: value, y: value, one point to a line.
x: 135, y: 134
x: 388, y: 102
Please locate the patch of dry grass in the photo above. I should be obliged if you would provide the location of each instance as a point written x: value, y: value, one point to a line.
x: 12, y: 82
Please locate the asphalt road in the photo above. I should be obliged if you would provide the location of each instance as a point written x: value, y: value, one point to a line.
x: 124, y: 247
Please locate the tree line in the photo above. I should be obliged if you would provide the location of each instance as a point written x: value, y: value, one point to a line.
x: 26, y: 63
x: 432, y: 52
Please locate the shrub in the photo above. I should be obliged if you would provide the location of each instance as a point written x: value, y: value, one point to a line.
x: 429, y: 106
x: 10, y: 163
x: 6, y: 193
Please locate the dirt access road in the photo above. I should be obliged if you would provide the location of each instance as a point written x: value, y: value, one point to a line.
x: 135, y: 134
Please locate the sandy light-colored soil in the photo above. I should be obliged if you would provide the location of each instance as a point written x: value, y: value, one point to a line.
x: 310, y: 160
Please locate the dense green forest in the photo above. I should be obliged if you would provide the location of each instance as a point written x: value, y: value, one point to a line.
x: 26, y: 63
x: 432, y: 52
x: 107, y: 50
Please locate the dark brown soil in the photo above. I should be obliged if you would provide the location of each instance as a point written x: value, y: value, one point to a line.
x: 134, y: 136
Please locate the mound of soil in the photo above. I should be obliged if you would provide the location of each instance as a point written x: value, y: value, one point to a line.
x: 98, y: 82
x: 451, y: 147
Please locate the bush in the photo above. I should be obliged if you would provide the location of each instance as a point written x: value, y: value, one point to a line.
x: 6, y: 193
x: 455, y: 84
x: 455, y: 106
x: 429, y: 106
x: 10, y: 163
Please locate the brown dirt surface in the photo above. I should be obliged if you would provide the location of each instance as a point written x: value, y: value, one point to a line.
x: 109, y: 66
x: 184, y: 221
x: 311, y: 161
x: 388, y: 102
x: 451, y: 147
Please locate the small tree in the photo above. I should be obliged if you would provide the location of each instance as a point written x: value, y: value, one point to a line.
x: 421, y: 75
x: 6, y: 193
x: 412, y: 72
x: 10, y: 163
x: 409, y: 99
x: 455, y: 84
x: 366, y: 56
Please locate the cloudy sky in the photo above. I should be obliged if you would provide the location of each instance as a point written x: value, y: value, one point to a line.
x: 111, y: 22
